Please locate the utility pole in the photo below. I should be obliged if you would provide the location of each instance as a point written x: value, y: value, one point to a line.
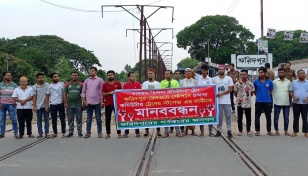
x: 261, y: 1
x: 143, y: 28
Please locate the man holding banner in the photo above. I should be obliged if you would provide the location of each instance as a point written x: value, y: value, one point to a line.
x: 132, y: 84
x: 151, y: 84
x: 225, y: 86
x: 203, y: 80
x: 168, y: 82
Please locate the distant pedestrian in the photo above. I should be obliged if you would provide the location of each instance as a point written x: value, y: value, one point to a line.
x: 108, y: 91
x: 39, y: 98
x: 132, y: 84
x: 243, y: 90
x: 177, y: 76
x: 203, y: 80
x: 282, y: 100
x: 23, y: 96
x: 92, y: 99
x: 235, y: 75
x: 263, y: 91
x: 73, y: 104
x: 7, y: 103
x: 290, y: 73
x: 270, y: 74
x: 54, y: 101
x: 151, y: 84
x: 225, y: 86
x: 168, y: 82
x: 299, y: 93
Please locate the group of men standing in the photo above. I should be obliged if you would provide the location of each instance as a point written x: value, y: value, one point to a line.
x: 95, y: 94
x: 281, y: 93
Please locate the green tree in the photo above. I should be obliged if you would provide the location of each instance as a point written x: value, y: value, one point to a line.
x: 122, y: 76
x: 285, y: 50
x: 45, y: 51
x: 102, y: 74
x: 188, y: 63
x: 127, y: 68
x: 64, y: 70
x: 224, y: 34
x: 18, y: 67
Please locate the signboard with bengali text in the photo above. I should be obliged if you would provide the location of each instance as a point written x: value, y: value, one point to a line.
x: 251, y: 61
x: 145, y: 108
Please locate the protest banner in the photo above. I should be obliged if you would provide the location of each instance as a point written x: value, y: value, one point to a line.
x: 166, y: 107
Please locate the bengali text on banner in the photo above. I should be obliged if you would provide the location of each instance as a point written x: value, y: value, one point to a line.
x: 166, y: 107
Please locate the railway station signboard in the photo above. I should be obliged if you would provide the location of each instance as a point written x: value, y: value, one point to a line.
x: 166, y: 107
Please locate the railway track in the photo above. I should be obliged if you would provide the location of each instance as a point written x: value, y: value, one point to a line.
x: 28, y: 146
x: 144, y: 163
x: 248, y: 160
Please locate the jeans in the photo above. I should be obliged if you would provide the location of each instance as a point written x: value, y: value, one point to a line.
x: 240, y: 112
x: 226, y: 108
x: 286, y: 111
x: 25, y: 115
x: 73, y: 111
x: 53, y: 111
x: 267, y: 107
x: 12, y: 112
x: 40, y: 113
x: 98, y: 115
x: 297, y: 110
x: 202, y: 128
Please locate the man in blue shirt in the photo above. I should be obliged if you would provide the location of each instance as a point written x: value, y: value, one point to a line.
x: 299, y: 94
x: 263, y: 90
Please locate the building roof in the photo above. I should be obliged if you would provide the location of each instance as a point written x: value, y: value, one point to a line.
x: 297, y: 64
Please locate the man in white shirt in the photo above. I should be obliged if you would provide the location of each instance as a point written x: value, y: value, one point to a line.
x: 54, y: 97
x: 189, y: 81
x: 23, y: 96
x: 151, y: 84
x: 203, y: 80
x: 225, y: 86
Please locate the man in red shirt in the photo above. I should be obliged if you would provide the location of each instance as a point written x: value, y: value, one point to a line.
x: 108, y: 90
x: 132, y: 84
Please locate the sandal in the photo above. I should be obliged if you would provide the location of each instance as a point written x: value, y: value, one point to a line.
x: 63, y: 135
x: 119, y: 135
x: 270, y: 134
x: 179, y: 134
x: 277, y: 134
x: 107, y: 136
x: 201, y: 135
x: 54, y: 135
x: 211, y: 134
x: 293, y: 135
x: 138, y: 136
x: 165, y: 135
x: 287, y: 133
x: 249, y: 134
x: 125, y: 136
x: 257, y: 134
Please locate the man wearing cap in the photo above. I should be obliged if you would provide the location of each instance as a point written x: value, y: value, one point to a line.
x: 225, y: 86
x: 189, y: 81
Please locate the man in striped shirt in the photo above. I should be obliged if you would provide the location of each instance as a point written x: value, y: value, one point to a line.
x: 7, y: 103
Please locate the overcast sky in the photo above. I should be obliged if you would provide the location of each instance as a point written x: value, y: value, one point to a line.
x: 107, y: 36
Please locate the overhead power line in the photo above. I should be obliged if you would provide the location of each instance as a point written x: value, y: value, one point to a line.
x: 232, y: 6
x: 85, y: 10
